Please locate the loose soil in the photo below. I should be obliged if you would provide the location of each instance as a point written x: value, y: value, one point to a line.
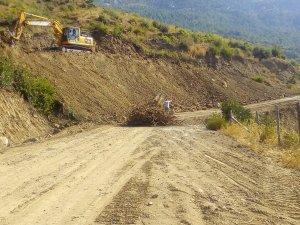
x: 121, y: 175
x: 19, y: 121
x: 104, y: 86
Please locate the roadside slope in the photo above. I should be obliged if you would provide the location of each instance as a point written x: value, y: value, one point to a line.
x: 19, y: 121
x: 103, y: 86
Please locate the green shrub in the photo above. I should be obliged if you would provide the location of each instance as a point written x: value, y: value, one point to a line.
x: 292, y: 80
x: 226, y: 52
x: 197, y: 38
x: 261, y: 53
x: 37, y: 90
x: 244, y: 46
x: 290, y: 139
x: 6, y: 72
x: 155, y: 24
x: 267, y: 120
x: 216, y: 47
x: 100, y: 28
x: 238, y: 54
x: 294, y: 63
x: 237, y: 44
x: 71, y: 7
x: 215, y: 122
x: 183, y: 33
x: 40, y: 94
x: 267, y: 133
x: 214, y: 50
x: 166, y: 39
x: 50, y: 7
x: 164, y: 28
x: 117, y: 31
x: 113, y: 14
x: 258, y: 79
x: 103, y: 19
x: 161, y: 27
x: 145, y: 24
x: 138, y: 31
x: 90, y: 3
x: 277, y: 52
x: 4, y: 2
x: 183, y: 46
x: 240, y: 112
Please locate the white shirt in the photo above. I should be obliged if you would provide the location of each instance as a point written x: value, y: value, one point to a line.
x: 167, y: 104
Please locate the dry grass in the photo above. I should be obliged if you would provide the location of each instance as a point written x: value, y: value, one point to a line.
x: 198, y: 50
x: 291, y: 159
x: 263, y: 139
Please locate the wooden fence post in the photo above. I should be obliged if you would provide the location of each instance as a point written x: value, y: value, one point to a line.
x: 298, y: 109
x: 278, y: 125
x: 257, y: 117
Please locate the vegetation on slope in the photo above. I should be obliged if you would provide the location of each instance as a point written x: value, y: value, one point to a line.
x: 37, y: 90
x: 146, y: 36
x: 262, y: 136
x: 151, y: 37
x: 266, y: 22
x: 157, y: 38
x: 263, y: 139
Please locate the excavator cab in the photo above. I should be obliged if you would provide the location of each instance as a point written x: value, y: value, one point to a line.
x: 70, y: 34
x: 73, y: 38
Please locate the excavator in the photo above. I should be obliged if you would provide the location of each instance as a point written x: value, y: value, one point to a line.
x: 67, y: 38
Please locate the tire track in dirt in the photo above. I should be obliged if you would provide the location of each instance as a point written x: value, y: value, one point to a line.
x: 76, y: 181
x: 107, y: 176
x: 125, y: 207
x: 228, y: 187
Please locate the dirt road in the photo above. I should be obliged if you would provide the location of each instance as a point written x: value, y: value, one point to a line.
x: 201, y: 115
x: 166, y: 176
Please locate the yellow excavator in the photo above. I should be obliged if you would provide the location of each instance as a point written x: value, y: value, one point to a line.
x: 67, y: 38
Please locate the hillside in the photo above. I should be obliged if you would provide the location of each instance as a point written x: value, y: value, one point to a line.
x: 69, y: 156
x: 20, y: 121
x: 137, y: 59
x: 266, y: 22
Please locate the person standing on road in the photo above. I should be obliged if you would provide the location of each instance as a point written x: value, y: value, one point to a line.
x: 167, y: 105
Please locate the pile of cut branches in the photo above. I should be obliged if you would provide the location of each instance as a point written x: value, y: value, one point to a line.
x: 150, y: 115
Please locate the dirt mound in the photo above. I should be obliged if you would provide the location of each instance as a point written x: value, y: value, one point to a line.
x: 19, y: 121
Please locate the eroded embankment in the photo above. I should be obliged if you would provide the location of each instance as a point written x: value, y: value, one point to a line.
x: 103, y: 86
x: 19, y: 121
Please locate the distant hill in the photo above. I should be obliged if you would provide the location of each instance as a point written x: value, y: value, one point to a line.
x: 260, y: 21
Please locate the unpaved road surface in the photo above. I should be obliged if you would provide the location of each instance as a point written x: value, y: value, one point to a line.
x: 158, y: 176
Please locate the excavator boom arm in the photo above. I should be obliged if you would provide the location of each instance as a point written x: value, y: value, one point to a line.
x: 19, y: 26
x: 36, y: 20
